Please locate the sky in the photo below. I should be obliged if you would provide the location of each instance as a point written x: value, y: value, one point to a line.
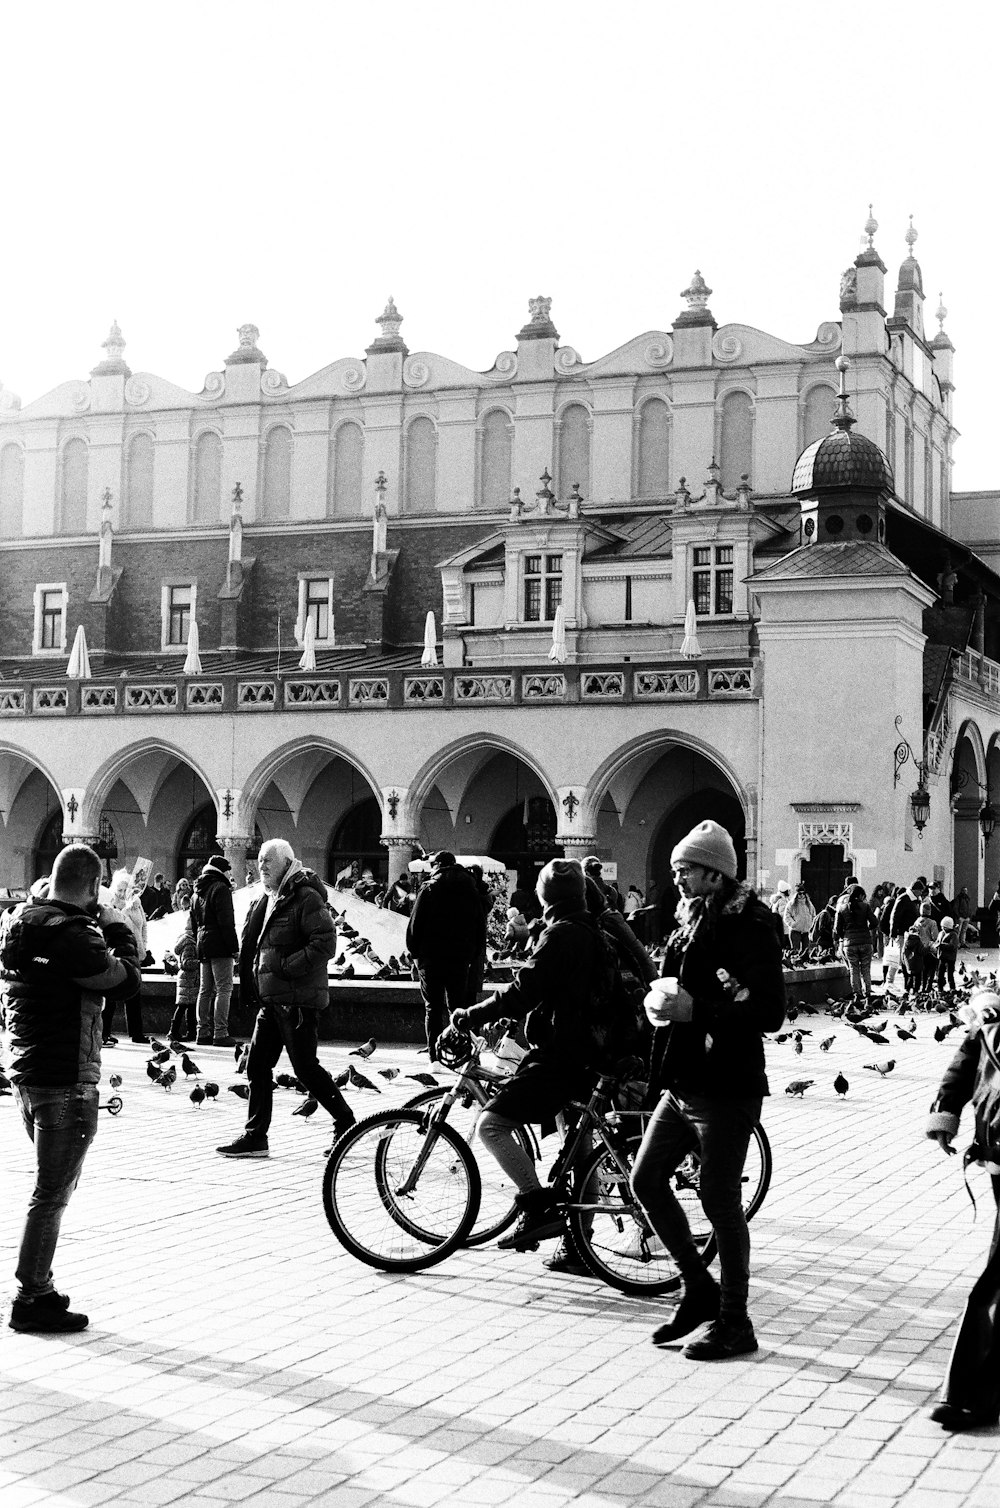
x: 188, y: 168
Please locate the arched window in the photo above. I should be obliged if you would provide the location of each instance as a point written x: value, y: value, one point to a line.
x: 207, y: 496
x: 573, y: 465
x: 11, y: 492
x: 421, y: 466
x: 653, y: 478
x: 494, y: 476
x: 348, y: 469
x: 736, y: 439
x: 139, y: 483
x: 817, y: 414
x: 277, y: 491
x: 73, y: 510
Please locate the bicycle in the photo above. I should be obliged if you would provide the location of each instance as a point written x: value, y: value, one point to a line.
x: 402, y: 1190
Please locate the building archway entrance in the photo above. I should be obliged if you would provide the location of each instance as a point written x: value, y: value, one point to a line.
x: 524, y: 839
x: 707, y: 804
x: 356, y: 842
x: 968, y: 792
x: 824, y: 872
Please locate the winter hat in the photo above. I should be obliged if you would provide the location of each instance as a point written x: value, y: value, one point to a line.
x: 783, y: 885
x: 592, y: 864
x: 561, y: 880
x: 709, y: 845
x: 443, y: 859
x: 947, y: 922
x: 220, y: 862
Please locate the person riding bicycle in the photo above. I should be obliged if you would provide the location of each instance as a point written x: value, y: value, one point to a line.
x: 721, y: 988
x: 569, y: 973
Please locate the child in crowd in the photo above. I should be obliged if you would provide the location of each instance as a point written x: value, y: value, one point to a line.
x: 184, y: 1023
x: 947, y: 953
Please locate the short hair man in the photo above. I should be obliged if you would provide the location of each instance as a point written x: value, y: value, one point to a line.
x: 288, y: 939
x: 446, y: 933
x: 62, y: 955
x: 722, y: 987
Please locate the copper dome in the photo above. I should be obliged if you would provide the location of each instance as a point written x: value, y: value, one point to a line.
x: 842, y: 459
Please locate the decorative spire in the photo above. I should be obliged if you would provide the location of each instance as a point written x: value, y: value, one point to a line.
x: 941, y: 313
x: 697, y: 295
x: 871, y: 226
x: 911, y: 237
x: 113, y: 364
x: 390, y: 320
x: 843, y: 418
x: 236, y: 526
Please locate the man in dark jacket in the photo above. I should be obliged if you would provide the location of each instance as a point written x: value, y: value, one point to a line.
x: 288, y: 939
x: 722, y: 987
x: 445, y: 933
x: 907, y: 909
x: 215, y: 940
x: 62, y: 956
x: 156, y: 900
x: 570, y: 967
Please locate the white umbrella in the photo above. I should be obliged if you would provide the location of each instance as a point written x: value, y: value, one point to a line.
x: 690, y: 648
x: 192, y: 665
x: 78, y: 668
x: 308, y: 660
x: 430, y: 654
x: 557, y: 650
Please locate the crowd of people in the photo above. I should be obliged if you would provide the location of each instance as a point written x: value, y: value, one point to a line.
x: 68, y: 956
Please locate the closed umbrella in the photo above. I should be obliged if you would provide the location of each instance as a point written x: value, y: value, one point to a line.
x: 430, y: 654
x: 78, y: 668
x: 192, y: 665
x: 690, y: 648
x: 308, y: 660
x: 557, y: 650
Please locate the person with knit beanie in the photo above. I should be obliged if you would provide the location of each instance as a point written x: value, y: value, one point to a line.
x: 569, y: 968
x: 721, y: 988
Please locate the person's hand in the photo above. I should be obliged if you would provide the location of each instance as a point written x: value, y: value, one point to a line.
x: 667, y: 1001
x: 107, y: 916
x: 943, y: 1139
x: 460, y: 1020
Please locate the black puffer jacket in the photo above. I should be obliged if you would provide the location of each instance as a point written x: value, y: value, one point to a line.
x: 972, y: 1075
x: 286, y: 947
x: 447, y: 920
x: 213, y: 919
x: 59, y: 969
x: 719, y: 1053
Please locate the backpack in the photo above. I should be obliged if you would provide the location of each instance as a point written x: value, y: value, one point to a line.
x: 913, y: 948
x: 620, y: 1028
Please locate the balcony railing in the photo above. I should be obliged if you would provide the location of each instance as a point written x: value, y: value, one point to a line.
x: 347, y: 691
x: 976, y: 670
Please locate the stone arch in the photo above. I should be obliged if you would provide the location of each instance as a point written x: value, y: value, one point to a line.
x: 259, y: 779
x: 426, y: 778
x: 112, y: 769
x: 656, y: 743
x: 968, y: 732
x: 968, y: 784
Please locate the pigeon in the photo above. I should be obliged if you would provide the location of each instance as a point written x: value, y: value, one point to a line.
x: 189, y: 1066
x: 197, y: 1096
x: 242, y: 1059
x: 211, y: 1090
x: 243, y: 1090
x: 904, y: 1036
x: 798, y: 1044
x: 289, y: 1081
x: 783, y: 1037
x: 882, y: 1068
x: 238, y: 1051
x: 841, y: 1085
x: 827, y: 1043
x: 424, y: 1078
x: 178, y: 1047
x: 307, y: 1108
x: 359, y: 1081
x: 388, y: 1073
x: 798, y: 1087
x: 365, y: 1051
x: 152, y: 1071
x: 792, y: 1013
x: 342, y: 1079
x: 940, y: 1032
x: 163, y: 1056
x: 877, y: 1037
x: 346, y: 930
x: 158, y: 1046
x: 348, y: 973
x: 168, y: 1077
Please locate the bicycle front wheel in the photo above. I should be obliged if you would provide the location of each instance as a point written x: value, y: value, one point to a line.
x: 497, y: 1210
x: 400, y: 1194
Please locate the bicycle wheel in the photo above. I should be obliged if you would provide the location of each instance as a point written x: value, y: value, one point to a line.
x: 610, y: 1230
x: 756, y: 1171
x: 396, y: 1197
x: 496, y: 1210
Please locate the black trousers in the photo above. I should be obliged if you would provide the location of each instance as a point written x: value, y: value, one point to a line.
x: 295, y: 1032
x: 973, y: 1377
x: 133, y: 1017
x: 444, y: 984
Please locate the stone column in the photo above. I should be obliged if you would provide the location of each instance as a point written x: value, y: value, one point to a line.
x: 235, y: 850
x: 400, y: 853
x: 576, y: 845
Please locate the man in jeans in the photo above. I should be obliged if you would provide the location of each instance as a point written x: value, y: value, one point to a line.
x: 62, y: 956
x: 215, y: 940
x: 722, y: 987
x: 288, y: 940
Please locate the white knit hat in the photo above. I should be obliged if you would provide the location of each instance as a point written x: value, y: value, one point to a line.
x: 709, y: 845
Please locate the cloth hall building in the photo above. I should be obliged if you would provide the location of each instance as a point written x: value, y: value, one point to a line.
x: 557, y: 515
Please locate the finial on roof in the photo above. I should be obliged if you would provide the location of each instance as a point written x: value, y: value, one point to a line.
x: 911, y: 237
x: 697, y: 293
x: 390, y: 319
x: 247, y: 353
x: 843, y: 418
x: 539, y: 326
x: 871, y: 226
x: 113, y: 364
x: 941, y: 313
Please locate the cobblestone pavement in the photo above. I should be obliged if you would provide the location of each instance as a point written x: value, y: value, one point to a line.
x: 237, y: 1354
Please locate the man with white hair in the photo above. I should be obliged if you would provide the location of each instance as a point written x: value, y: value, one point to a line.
x: 287, y: 941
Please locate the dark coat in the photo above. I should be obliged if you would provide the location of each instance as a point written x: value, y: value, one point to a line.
x: 284, y: 952
x: 855, y: 923
x: 904, y: 914
x: 213, y: 919
x: 719, y: 1053
x: 569, y: 962
x: 972, y: 1076
x: 59, y: 969
x: 447, y: 920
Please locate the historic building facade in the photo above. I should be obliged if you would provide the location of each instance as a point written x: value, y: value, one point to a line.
x: 559, y: 517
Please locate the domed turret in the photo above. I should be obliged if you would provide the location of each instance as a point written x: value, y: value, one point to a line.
x: 843, y: 481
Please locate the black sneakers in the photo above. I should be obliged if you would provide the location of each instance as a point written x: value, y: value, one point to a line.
x: 723, y: 1339
x: 339, y: 1127
x: 538, y: 1221
x: 700, y: 1303
x: 49, y: 1314
x: 245, y: 1146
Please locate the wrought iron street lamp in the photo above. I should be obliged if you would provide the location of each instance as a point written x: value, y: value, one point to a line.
x: 920, y: 800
